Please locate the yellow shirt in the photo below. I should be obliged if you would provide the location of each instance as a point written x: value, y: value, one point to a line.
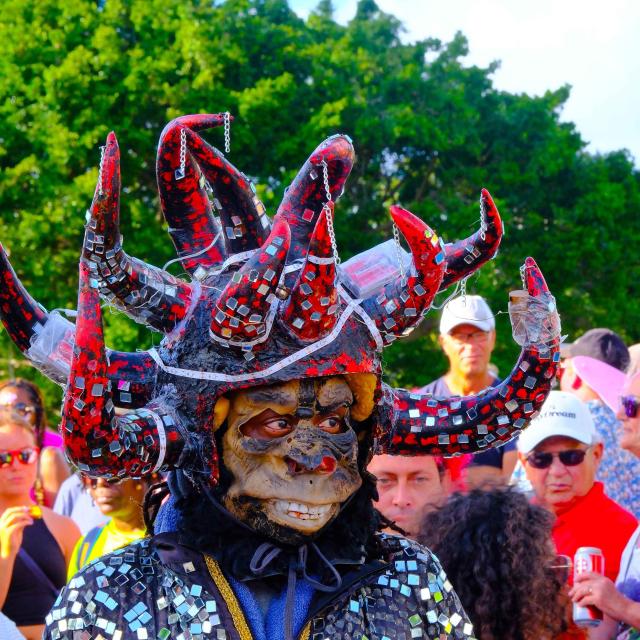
x: 109, y: 539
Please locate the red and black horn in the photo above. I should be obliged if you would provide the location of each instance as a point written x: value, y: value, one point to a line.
x: 141, y: 442
x: 245, y: 224
x: 21, y: 315
x: 466, y: 256
x: 305, y: 197
x: 196, y: 233
x: 419, y: 423
x: 242, y: 310
x: 312, y: 310
x: 399, y: 307
x: 132, y: 375
x: 145, y: 293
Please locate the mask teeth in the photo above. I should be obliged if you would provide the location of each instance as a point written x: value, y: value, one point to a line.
x: 245, y: 224
x: 313, y: 308
x: 400, y: 306
x: 242, y: 309
x: 184, y: 201
x: 145, y: 293
x: 465, y: 257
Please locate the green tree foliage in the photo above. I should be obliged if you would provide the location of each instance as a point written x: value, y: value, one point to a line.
x: 429, y: 133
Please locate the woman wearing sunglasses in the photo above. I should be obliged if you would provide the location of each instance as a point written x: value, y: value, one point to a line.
x: 619, y: 601
x: 35, y: 543
x: 22, y: 400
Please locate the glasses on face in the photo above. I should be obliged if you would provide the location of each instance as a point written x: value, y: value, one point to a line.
x: 630, y: 405
x: 89, y: 483
x: 470, y: 336
x: 28, y: 455
x: 20, y: 408
x: 569, y: 458
x: 562, y: 566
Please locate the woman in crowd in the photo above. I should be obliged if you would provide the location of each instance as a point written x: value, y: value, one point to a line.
x: 122, y: 504
x: 620, y: 602
x: 496, y: 549
x: 22, y: 399
x: 35, y: 543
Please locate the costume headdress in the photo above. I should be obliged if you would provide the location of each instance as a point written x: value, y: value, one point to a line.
x: 267, y: 303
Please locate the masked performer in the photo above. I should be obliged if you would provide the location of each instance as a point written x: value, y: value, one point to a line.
x: 264, y: 402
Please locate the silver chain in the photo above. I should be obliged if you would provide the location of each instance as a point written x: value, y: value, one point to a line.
x: 102, y: 150
x: 463, y: 290
x: 326, y: 207
x: 396, y: 237
x: 227, y: 132
x: 181, y: 172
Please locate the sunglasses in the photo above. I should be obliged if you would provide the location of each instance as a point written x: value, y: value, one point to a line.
x: 562, y: 566
x: 569, y: 458
x: 28, y: 455
x: 19, y: 407
x: 89, y: 483
x: 630, y: 405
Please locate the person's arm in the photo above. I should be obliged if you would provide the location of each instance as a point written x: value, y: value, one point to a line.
x: 606, y: 630
x: 591, y: 589
x: 12, y: 524
x: 53, y: 472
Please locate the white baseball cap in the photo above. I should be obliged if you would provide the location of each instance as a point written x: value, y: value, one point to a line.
x: 471, y: 310
x: 562, y: 414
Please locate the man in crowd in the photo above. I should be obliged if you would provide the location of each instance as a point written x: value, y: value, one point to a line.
x: 467, y: 337
x: 592, y: 369
x: 561, y: 453
x: 408, y: 487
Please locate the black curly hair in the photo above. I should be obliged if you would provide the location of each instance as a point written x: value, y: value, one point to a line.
x: 497, y: 551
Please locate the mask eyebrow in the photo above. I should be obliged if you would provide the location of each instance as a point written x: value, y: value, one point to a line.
x: 271, y: 396
x: 334, y: 406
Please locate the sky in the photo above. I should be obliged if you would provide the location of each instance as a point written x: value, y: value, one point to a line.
x: 592, y: 45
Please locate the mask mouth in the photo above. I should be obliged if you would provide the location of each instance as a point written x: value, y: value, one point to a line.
x: 301, y: 515
x: 301, y: 510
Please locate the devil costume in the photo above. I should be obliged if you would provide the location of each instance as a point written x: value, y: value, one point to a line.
x: 264, y: 402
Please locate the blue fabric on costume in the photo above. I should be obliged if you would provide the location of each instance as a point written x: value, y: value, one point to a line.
x: 272, y: 628
x: 167, y: 518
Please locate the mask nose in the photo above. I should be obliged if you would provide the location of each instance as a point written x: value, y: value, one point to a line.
x: 323, y: 464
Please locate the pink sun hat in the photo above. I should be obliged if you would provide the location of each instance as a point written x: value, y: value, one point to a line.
x: 605, y: 380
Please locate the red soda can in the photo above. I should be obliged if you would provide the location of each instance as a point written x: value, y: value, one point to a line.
x: 587, y: 559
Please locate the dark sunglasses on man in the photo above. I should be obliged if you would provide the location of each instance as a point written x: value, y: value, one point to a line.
x: 569, y: 458
x: 630, y: 405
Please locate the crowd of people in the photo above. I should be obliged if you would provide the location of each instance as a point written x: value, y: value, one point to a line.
x: 505, y: 523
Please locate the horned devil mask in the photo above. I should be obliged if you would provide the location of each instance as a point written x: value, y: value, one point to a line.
x: 267, y: 304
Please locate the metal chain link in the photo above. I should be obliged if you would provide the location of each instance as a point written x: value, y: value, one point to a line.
x: 102, y: 150
x: 463, y: 290
x: 181, y: 172
x: 326, y: 207
x: 227, y: 132
x: 396, y: 237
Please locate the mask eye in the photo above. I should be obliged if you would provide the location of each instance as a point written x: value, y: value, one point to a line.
x: 332, y: 424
